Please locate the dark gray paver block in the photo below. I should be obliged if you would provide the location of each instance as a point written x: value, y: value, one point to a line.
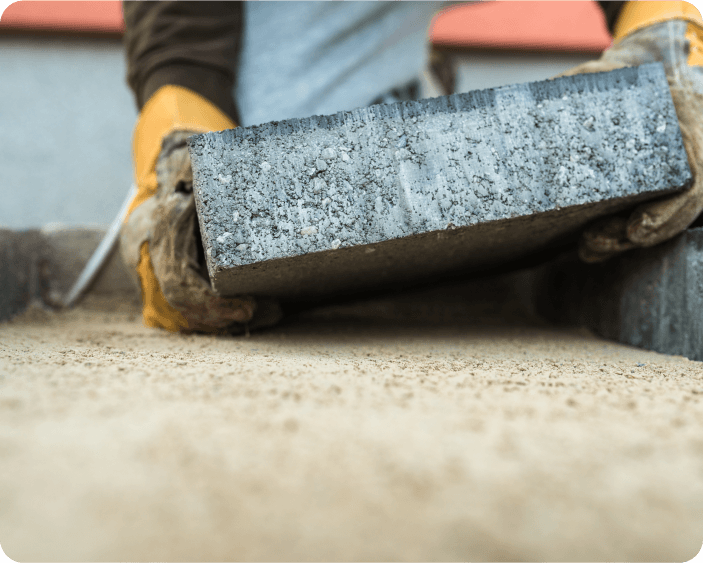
x: 392, y: 193
x: 24, y: 259
x: 651, y: 298
x: 43, y: 265
x: 71, y: 248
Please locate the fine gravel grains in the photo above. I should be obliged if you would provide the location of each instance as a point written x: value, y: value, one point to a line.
x: 346, y: 436
x: 387, y: 194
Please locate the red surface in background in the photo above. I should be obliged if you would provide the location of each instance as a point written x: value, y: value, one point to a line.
x: 104, y: 16
x: 553, y: 26
x: 505, y: 24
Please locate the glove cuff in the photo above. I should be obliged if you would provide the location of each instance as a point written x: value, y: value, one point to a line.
x: 638, y: 14
x: 171, y: 108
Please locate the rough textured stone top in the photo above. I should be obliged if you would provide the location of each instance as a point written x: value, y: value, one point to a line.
x: 390, y: 193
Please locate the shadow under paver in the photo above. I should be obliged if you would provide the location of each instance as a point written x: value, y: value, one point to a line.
x: 387, y: 195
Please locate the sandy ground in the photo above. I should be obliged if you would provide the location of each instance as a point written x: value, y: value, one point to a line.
x: 427, y: 428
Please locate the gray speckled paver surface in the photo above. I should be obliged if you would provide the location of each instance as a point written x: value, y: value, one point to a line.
x: 392, y: 193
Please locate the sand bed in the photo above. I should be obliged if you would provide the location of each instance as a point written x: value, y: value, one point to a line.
x: 407, y: 430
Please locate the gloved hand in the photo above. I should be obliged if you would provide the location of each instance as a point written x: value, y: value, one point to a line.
x: 672, y: 33
x: 160, y: 239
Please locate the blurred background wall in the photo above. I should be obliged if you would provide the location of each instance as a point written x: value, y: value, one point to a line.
x: 66, y: 113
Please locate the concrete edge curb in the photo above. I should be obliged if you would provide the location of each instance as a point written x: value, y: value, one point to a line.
x: 41, y: 265
x: 651, y: 298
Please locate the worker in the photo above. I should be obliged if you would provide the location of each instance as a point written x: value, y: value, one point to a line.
x: 206, y: 66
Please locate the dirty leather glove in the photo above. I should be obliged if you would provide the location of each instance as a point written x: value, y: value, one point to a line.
x: 671, y: 33
x: 160, y: 239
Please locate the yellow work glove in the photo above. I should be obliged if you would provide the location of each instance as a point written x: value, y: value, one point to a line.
x: 671, y: 33
x: 160, y: 239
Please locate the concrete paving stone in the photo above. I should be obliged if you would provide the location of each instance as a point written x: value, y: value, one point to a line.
x: 386, y: 195
x: 24, y: 256
x: 650, y: 298
x: 42, y: 266
x: 71, y: 248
